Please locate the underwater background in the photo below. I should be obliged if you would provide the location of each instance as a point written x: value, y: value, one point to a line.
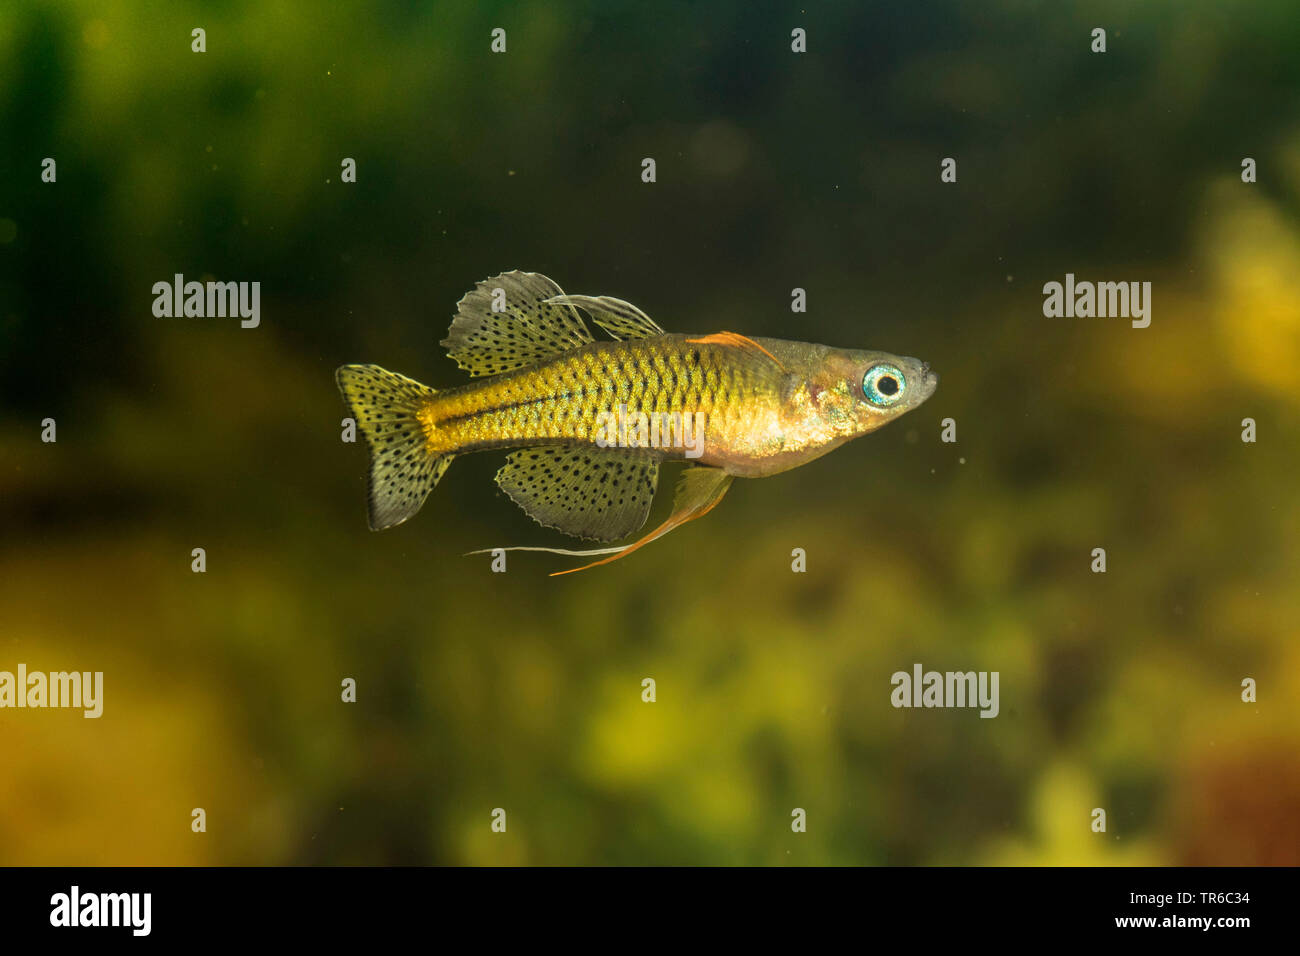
x: 775, y: 170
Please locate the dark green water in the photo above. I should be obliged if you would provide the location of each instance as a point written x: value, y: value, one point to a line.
x: 775, y: 171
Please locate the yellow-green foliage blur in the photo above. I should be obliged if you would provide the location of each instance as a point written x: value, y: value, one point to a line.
x: 775, y: 170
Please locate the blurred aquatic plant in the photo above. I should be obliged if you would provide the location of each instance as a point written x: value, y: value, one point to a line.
x: 478, y: 691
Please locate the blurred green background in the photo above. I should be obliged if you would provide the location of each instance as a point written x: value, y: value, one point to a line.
x: 775, y: 170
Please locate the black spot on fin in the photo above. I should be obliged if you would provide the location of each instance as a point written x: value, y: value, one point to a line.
x: 386, y: 407
x: 527, y: 330
x: 598, y: 493
x: 699, y: 490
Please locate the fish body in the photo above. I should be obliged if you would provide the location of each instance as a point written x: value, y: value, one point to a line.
x: 763, y: 413
x: 591, y: 420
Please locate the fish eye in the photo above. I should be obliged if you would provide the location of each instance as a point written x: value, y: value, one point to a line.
x: 883, y: 385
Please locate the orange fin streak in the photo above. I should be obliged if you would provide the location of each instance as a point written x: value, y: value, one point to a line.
x: 735, y: 340
x: 673, y: 521
x: 690, y: 507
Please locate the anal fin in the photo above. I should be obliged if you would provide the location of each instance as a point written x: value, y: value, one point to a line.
x: 589, y: 492
x: 699, y: 490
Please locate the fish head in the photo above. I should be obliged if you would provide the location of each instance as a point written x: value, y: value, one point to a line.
x: 850, y: 393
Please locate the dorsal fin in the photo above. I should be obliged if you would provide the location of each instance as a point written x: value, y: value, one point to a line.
x: 527, y: 330
x: 620, y: 319
x: 736, y: 340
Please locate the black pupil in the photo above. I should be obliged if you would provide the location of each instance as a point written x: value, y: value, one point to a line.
x: 887, y: 385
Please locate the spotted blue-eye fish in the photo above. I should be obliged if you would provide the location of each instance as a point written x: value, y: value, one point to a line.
x: 591, y: 420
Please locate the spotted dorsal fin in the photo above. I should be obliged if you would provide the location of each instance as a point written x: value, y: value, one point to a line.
x: 598, y: 493
x: 620, y: 319
x: 529, y: 327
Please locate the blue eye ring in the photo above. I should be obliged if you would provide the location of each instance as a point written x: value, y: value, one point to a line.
x: 884, y: 385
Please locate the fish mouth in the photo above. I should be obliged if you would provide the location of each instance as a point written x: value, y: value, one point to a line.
x: 928, y: 380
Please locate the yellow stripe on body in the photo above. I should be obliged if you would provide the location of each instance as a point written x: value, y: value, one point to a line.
x: 564, y: 400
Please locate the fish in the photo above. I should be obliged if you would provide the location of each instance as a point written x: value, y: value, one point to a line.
x: 589, y: 421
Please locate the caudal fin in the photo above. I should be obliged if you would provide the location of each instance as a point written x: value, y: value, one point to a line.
x: 386, y: 407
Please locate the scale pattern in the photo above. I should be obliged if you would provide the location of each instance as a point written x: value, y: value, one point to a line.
x: 562, y: 400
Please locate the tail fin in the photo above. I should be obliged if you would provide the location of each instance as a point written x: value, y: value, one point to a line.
x: 403, y: 471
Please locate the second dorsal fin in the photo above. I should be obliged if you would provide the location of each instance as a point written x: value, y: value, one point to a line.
x: 620, y: 319
x: 507, y: 322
